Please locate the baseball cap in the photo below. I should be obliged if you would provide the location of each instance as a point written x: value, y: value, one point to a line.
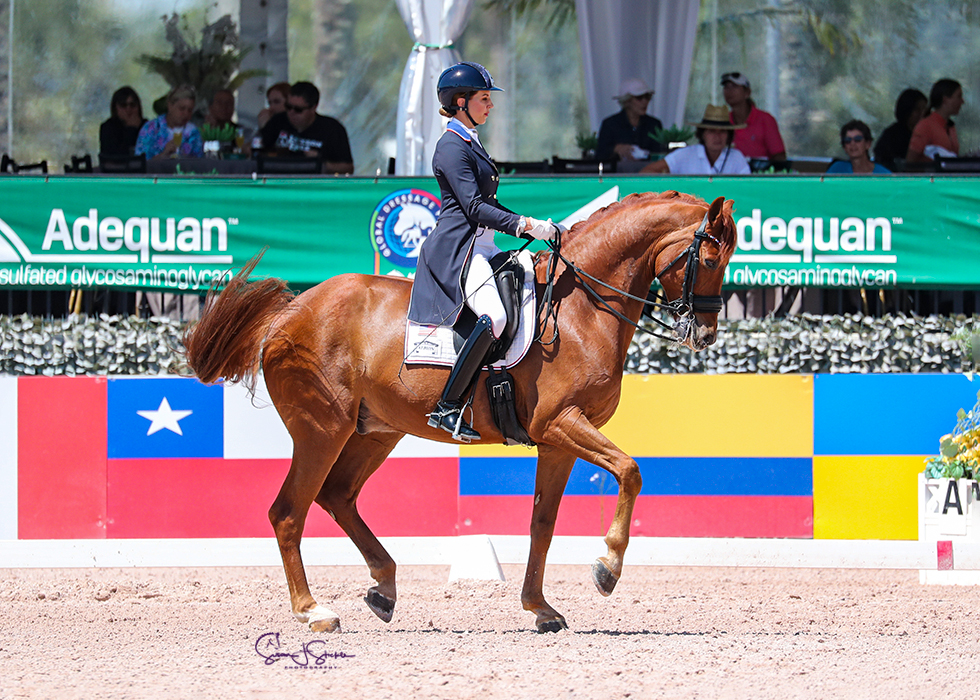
x: 633, y: 87
x: 736, y: 78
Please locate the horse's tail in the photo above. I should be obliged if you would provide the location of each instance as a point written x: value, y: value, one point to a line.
x: 226, y: 343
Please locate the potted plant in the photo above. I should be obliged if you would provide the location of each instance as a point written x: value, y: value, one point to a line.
x: 209, y: 66
x: 672, y: 137
x: 218, y: 139
x: 587, y: 143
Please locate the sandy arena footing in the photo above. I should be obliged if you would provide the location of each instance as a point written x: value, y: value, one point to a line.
x: 666, y: 632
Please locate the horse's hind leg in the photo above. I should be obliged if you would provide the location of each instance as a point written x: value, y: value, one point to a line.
x: 360, y: 458
x: 312, y: 460
x: 554, y: 466
x: 578, y: 436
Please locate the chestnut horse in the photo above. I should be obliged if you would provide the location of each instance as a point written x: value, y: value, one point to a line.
x: 332, y: 358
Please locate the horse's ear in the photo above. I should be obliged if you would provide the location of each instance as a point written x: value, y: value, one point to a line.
x: 716, y: 208
x: 719, y: 214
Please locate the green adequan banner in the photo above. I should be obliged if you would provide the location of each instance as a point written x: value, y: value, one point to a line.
x: 182, y: 234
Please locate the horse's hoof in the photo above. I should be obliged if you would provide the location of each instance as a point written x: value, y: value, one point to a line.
x: 603, y: 578
x: 327, y: 624
x: 320, y: 619
x: 553, y: 625
x: 380, y: 605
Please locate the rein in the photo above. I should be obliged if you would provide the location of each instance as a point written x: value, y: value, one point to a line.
x: 685, y: 305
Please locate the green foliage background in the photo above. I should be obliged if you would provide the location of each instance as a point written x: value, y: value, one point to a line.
x: 837, y: 60
x: 830, y: 60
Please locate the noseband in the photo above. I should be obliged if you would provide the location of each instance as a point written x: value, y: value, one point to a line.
x: 688, y: 303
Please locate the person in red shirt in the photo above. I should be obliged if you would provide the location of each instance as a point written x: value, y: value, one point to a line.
x: 760, y: 138
x: 935, y: 134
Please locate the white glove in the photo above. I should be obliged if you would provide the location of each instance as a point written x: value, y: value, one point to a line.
x: 541, y: 230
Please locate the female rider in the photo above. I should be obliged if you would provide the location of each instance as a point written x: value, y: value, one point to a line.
x: 453, y: 265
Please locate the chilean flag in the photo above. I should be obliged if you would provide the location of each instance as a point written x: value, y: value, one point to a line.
x: 97, y: 457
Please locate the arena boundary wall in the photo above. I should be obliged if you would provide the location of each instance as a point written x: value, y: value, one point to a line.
x: 807, y: 457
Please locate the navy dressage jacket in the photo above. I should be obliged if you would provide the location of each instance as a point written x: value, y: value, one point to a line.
x: 468, y: 182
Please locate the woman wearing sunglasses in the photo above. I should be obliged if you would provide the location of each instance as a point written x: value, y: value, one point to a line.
x: 855, y: 137
x: 118, y: 133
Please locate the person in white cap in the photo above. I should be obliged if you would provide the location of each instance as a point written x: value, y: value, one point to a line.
x: 713, y: 155
x: 760, y: 138
x: 629, y: 134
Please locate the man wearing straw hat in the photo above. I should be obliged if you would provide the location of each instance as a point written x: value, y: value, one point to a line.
x: 714, y: 154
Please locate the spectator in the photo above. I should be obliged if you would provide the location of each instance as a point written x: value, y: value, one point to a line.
x: 118, y: 133
x: 893, y: 144
x: 172, y: 134
x: 629, y: 134
x: 221, y: 110
x: 276, y: 96
x: 935, y: 134
x: 714, y: 154
x: 301, y: 131
x: 855, y: 137
x: 760, y: 137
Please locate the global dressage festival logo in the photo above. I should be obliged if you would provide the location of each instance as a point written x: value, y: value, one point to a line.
x: 400, y: 223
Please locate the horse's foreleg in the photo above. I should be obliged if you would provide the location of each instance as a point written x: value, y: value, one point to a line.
x: 576, y: 434
x: 311, y: 462
x: 361, y: 457
x: 554, y: 466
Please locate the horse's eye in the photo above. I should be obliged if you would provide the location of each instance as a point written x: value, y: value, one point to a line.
x: 711, y: 264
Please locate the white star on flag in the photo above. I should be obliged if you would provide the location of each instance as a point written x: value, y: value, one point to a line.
x: 164, y: 417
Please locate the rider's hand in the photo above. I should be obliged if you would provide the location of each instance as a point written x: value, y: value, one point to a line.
x: 541, y: 230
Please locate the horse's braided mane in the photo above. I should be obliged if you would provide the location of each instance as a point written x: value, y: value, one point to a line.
x: 727, y: 239
x: 633, y: 200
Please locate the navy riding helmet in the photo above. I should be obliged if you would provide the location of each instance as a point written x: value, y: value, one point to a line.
x: 463, y: 77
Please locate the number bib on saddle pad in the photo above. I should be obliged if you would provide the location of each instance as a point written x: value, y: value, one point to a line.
x: 438, y: 345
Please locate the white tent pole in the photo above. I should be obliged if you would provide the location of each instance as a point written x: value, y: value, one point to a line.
x: 10, y: 83
x: 714, y: 52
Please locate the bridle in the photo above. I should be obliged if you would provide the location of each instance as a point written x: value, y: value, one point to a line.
x: 689, y: 301
x: 687, y: 304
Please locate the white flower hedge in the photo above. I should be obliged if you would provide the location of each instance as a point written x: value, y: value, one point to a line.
x: 81, y: 345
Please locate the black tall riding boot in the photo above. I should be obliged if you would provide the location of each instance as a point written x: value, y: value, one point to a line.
x: 448, y: 413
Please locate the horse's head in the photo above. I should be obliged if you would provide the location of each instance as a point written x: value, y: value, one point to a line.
x: 691, y: 266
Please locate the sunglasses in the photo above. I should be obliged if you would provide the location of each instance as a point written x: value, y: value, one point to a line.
x: 294, y: 108
x: 856, y: 139
x: 647, y: 96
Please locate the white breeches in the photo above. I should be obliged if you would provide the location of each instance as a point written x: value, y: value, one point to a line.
x: 480, y: 287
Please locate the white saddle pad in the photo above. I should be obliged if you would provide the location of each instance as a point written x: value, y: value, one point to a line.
x: 434, y: 345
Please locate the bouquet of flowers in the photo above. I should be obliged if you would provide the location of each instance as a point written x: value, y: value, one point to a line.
x: 959, y: 451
